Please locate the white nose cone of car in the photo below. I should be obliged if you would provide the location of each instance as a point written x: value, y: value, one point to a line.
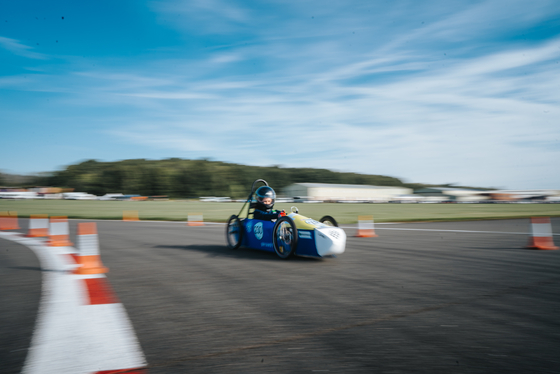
x: 330, y: 241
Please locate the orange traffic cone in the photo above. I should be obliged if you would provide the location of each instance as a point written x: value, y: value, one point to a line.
x: 195, y: 219
x: 130, y: 215
x: 58, y: 232
x: 8, y: 221
x: 88, y: 247
x: 365, y: 227
x: 38, y: 225
x: 541, y: 234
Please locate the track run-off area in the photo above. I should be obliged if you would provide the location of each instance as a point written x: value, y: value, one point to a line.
x: 461, y: 297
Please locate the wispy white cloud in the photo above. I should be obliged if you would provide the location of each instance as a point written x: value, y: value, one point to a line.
x: 171, y: 95
x: 163, y: 139
x: 463, y: 118
x: 217, y: 16
x: 20, y: 49
x: 489, y: 18
x: 226, y: 58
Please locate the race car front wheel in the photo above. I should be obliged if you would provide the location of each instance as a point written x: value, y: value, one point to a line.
x: 285, y: 237
x: 329, y: 221
x: 234, y: 232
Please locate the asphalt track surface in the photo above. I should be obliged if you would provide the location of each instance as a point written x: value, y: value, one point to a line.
x: 408, y: 301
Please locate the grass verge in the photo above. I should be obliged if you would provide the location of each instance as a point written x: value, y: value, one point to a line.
x: 178, y: 210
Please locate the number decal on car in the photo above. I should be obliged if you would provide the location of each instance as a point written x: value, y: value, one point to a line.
x: 258, y: 230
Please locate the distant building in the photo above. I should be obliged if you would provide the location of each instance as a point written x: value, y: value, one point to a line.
x: 462, y: 194
x: 450, y: 193
x: 344, y: 192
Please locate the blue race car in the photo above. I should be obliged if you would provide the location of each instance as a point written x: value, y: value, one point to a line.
x: 291, y: 234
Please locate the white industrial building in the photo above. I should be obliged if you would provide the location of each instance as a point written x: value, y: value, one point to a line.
x: 436, y: 194
x: 466, y: 195
x: 344, y: 192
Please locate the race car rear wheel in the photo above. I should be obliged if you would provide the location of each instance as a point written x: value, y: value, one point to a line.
x: 329, y: 221
x: 234, y: 232
x: 285, y: 237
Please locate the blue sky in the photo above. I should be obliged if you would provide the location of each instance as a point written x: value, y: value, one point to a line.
x: 463, y: 92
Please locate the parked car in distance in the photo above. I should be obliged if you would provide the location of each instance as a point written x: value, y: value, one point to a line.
x: 78, y: 196
x: 110, y: 196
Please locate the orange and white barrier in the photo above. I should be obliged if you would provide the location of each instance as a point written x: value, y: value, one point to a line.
x: 81, y: 325
x: 365, y: 227
x: 107, y: 331
x: 9, y: 221
x: 541, y: 234
x: 38, y: 226
x: 130, y: 215
x: 195, y: 219
x: 88, y: 259
x: 58, y: 232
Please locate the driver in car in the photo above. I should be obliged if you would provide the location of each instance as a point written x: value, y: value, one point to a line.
x: 265, y: 201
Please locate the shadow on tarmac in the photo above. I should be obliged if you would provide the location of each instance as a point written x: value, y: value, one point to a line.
x: 241, y: 253
x: 34, y: 268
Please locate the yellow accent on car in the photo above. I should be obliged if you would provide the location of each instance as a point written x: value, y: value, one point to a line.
x: 304, y: 223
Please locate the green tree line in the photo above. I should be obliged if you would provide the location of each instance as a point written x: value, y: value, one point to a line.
x: 180, y: 178
x: 192, y: 178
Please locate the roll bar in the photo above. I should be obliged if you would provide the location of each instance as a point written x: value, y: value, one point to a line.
x: 251, y: 196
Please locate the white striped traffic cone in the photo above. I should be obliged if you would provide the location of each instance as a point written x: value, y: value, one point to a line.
x: 88, y: 258
x: 130, y: 215
x: 195, y: 219
x: 9, y: 221
x: 365, y: 227
x: 541, y: 234
x: 38, y: 225
x: 58, y: 232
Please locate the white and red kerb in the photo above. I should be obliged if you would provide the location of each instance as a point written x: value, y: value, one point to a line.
x: 113, y: 346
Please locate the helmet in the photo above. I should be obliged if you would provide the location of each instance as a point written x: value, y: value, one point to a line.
x: 265, y: 192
